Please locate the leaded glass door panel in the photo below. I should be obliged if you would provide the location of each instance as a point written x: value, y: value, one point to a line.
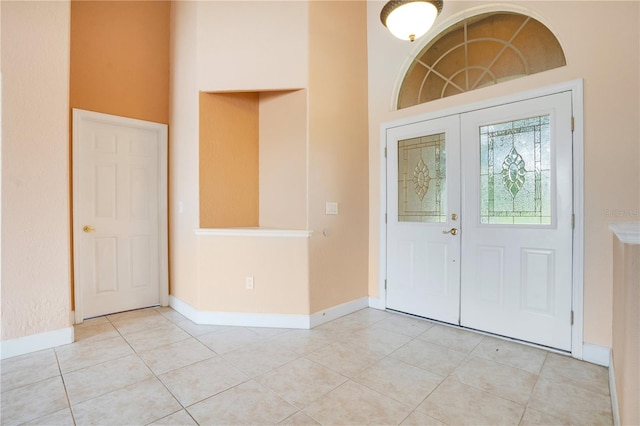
x: 516, y: 276
x: 423, y: 204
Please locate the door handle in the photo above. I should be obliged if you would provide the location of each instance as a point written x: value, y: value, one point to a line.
x: 88, y: 228
x: 452, y: 231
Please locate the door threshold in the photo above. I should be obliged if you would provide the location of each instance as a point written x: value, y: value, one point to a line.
x: 485, y: 333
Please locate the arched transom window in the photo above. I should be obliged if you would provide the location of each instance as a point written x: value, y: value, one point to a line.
x: 480, y: 51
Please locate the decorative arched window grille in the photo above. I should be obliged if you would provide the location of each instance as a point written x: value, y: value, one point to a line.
x: 480, y: 51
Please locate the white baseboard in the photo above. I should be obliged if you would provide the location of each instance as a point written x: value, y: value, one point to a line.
x: 596, y: 354
x: 36, y: 342
x: 330, y: 314
x: 377, y: 303
x: 266, y: 320
x: 238, y: 318
x: 184, y: 308
x: 613, y: 392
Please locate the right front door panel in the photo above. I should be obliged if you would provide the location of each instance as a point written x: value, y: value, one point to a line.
x: 516, y: 275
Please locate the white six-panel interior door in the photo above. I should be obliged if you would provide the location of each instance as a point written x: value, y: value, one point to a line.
x: 479, y: 219
x: 120, y: 213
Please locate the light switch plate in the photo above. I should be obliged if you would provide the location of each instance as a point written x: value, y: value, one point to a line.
x: 331, y: 208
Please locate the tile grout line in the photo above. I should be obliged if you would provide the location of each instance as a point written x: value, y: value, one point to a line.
x: 526, y: 406
x: 216, y: 354
x: 435, y: 388
x: 66, y: 392
x: 154, y: 373
x: 135, y: 353
x: 387, y: 356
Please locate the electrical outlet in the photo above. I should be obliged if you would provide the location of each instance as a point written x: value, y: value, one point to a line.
x: 250, y: 284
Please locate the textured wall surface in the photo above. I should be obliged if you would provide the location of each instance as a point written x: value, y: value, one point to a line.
x: 35, y: 168
x: 229, y: 135
x: 120, y: 58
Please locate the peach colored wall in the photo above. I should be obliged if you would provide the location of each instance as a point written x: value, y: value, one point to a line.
x: 626, y: 329
x: 205, y: 58
x: 338, y: 141
x: 283, y: 159
x: 252, y: 45
x: 35, y: 168
x: 120, y: 58
x: 279, y: 266
x: 262, y: 46
x: 608, y: 61
x: 229, y: 125
x: 184, y: 205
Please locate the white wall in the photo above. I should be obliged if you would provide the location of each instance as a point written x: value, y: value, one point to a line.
x: 35, y: 168
x: 601, y: 41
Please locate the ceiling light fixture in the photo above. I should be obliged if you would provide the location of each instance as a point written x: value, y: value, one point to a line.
x: 410, y: 19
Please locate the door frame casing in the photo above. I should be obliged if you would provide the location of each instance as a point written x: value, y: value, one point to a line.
x: 163, y: 230
x: 575, y: 87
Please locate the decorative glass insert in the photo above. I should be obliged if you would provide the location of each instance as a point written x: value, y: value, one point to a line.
x: 479, y: 51
x: 422, y: 179
x: 515, y: 172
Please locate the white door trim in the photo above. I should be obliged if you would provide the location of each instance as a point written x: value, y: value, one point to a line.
x: 163, y: 231
x: 576, y: 89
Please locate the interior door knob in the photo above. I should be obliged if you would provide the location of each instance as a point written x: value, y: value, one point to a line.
x: 452, y: 231
x: 88, y: 228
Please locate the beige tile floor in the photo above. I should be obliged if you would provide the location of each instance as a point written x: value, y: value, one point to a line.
x: 154, y: 366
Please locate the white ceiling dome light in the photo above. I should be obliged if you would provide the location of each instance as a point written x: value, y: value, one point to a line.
x: 410, y: 19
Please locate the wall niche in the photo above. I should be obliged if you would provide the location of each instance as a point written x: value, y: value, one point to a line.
x: 253, y: 159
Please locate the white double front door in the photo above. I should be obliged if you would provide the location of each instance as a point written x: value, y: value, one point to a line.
x: 479, y: 220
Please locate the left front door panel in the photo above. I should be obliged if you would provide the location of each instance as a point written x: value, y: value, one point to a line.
x: 423, y: 266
